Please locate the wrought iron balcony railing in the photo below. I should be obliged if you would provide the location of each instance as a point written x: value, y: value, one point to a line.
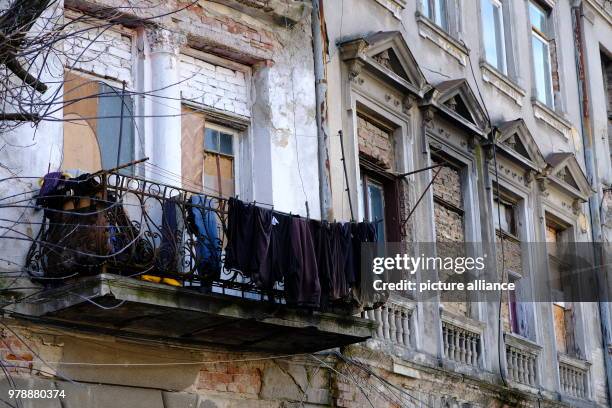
x: 125, y: 255
x: 115, y: 223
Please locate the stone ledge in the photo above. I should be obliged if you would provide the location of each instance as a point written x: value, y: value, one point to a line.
x: 602, y: 10
x: 503, y: 84
x: 522, y: 343
x: 139, y: 309
x: 577, y: 363
x: 475, y: 326
x: 552, y: 119
x: 394, y: 6
x: 428, y: 29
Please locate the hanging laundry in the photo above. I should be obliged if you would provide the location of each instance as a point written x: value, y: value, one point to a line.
x: 322, y: 237
x: 203, y: 225
x: 279, y: 255
x: 171, y: 237
x: 249, y: 232
x: 301, y: 278
x: 363, y: 291
x: 342, y: 276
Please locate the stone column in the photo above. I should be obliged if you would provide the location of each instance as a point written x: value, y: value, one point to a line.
x: 164, y: 95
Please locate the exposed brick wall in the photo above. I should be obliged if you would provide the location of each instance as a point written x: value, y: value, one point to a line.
x: 449, y: 226
x: 351, y: 390
x: 243, y: 378
x: 554, y: 66
x: 228, y: 36
x: 104, y: 52
x: 14, y: 354
x: 512, y: 255
x: 214, y: 86
x: 375, y: 143
x: 447, y: 186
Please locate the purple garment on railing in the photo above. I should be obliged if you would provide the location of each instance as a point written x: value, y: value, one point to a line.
x: 50, y: 183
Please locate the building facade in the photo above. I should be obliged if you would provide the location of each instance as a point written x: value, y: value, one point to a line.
x: 499, y: 110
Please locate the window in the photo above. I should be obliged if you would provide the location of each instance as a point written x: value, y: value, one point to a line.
x: 507, y: 217
x: 92, y: 124
x: 562, y: 309
x: 512, y: 264
x: 541, y: 49
x: 374, y: 204
x: 448, y: 203
x: 437, y: 11
x: 379, y: 199
x: 208, y: 156
x: 513, y: 316
x: 493, y: 34
x: 219, y: 160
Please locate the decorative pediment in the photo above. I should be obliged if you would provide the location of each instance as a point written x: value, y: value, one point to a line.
x: 515, y: 140
x: 386, y: 55
x: 565, y: 172
x: 456, y: 100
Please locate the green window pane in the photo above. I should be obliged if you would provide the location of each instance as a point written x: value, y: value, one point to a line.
x: 211, y: 140
x: 226, y: 144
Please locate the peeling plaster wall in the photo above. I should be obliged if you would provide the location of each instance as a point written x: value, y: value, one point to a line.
x: 27, y: 152
x: 284, y: 125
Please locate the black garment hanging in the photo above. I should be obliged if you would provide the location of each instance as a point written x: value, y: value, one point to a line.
x: 323, y: 241
x: 302, y: 277
x: 248, y: 241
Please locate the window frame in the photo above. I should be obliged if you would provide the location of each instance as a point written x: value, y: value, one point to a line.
x: 564, y: 233
x: 501, y: 42
x: 513, y: 231
x: 208, y: 124
x: 370, y: 173
x: 367, y: 180
x: 430, y: 11
x: 545, y: 38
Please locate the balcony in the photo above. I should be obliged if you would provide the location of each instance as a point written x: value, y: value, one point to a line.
x: 461, y: 340
x: 124, y: 255
x: 522, y: 360
x: 573, y: 377
x: 395, y: 331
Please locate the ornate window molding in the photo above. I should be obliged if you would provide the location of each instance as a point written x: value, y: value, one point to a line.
x: 552, y: 119
x: 516, y: 141
x: 502, y: 83
x: 385, y: 55
x: 564, y: 172
x: 394, y: 6
x: 429, y: 30
x: 456, y: 100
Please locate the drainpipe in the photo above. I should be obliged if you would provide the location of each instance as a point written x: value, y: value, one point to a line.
x: 325, y: 195
x: 591, y: 172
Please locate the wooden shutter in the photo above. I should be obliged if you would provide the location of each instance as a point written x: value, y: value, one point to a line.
x: 192, y: 148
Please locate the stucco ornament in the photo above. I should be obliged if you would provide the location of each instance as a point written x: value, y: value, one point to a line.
x: 162, y: 40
